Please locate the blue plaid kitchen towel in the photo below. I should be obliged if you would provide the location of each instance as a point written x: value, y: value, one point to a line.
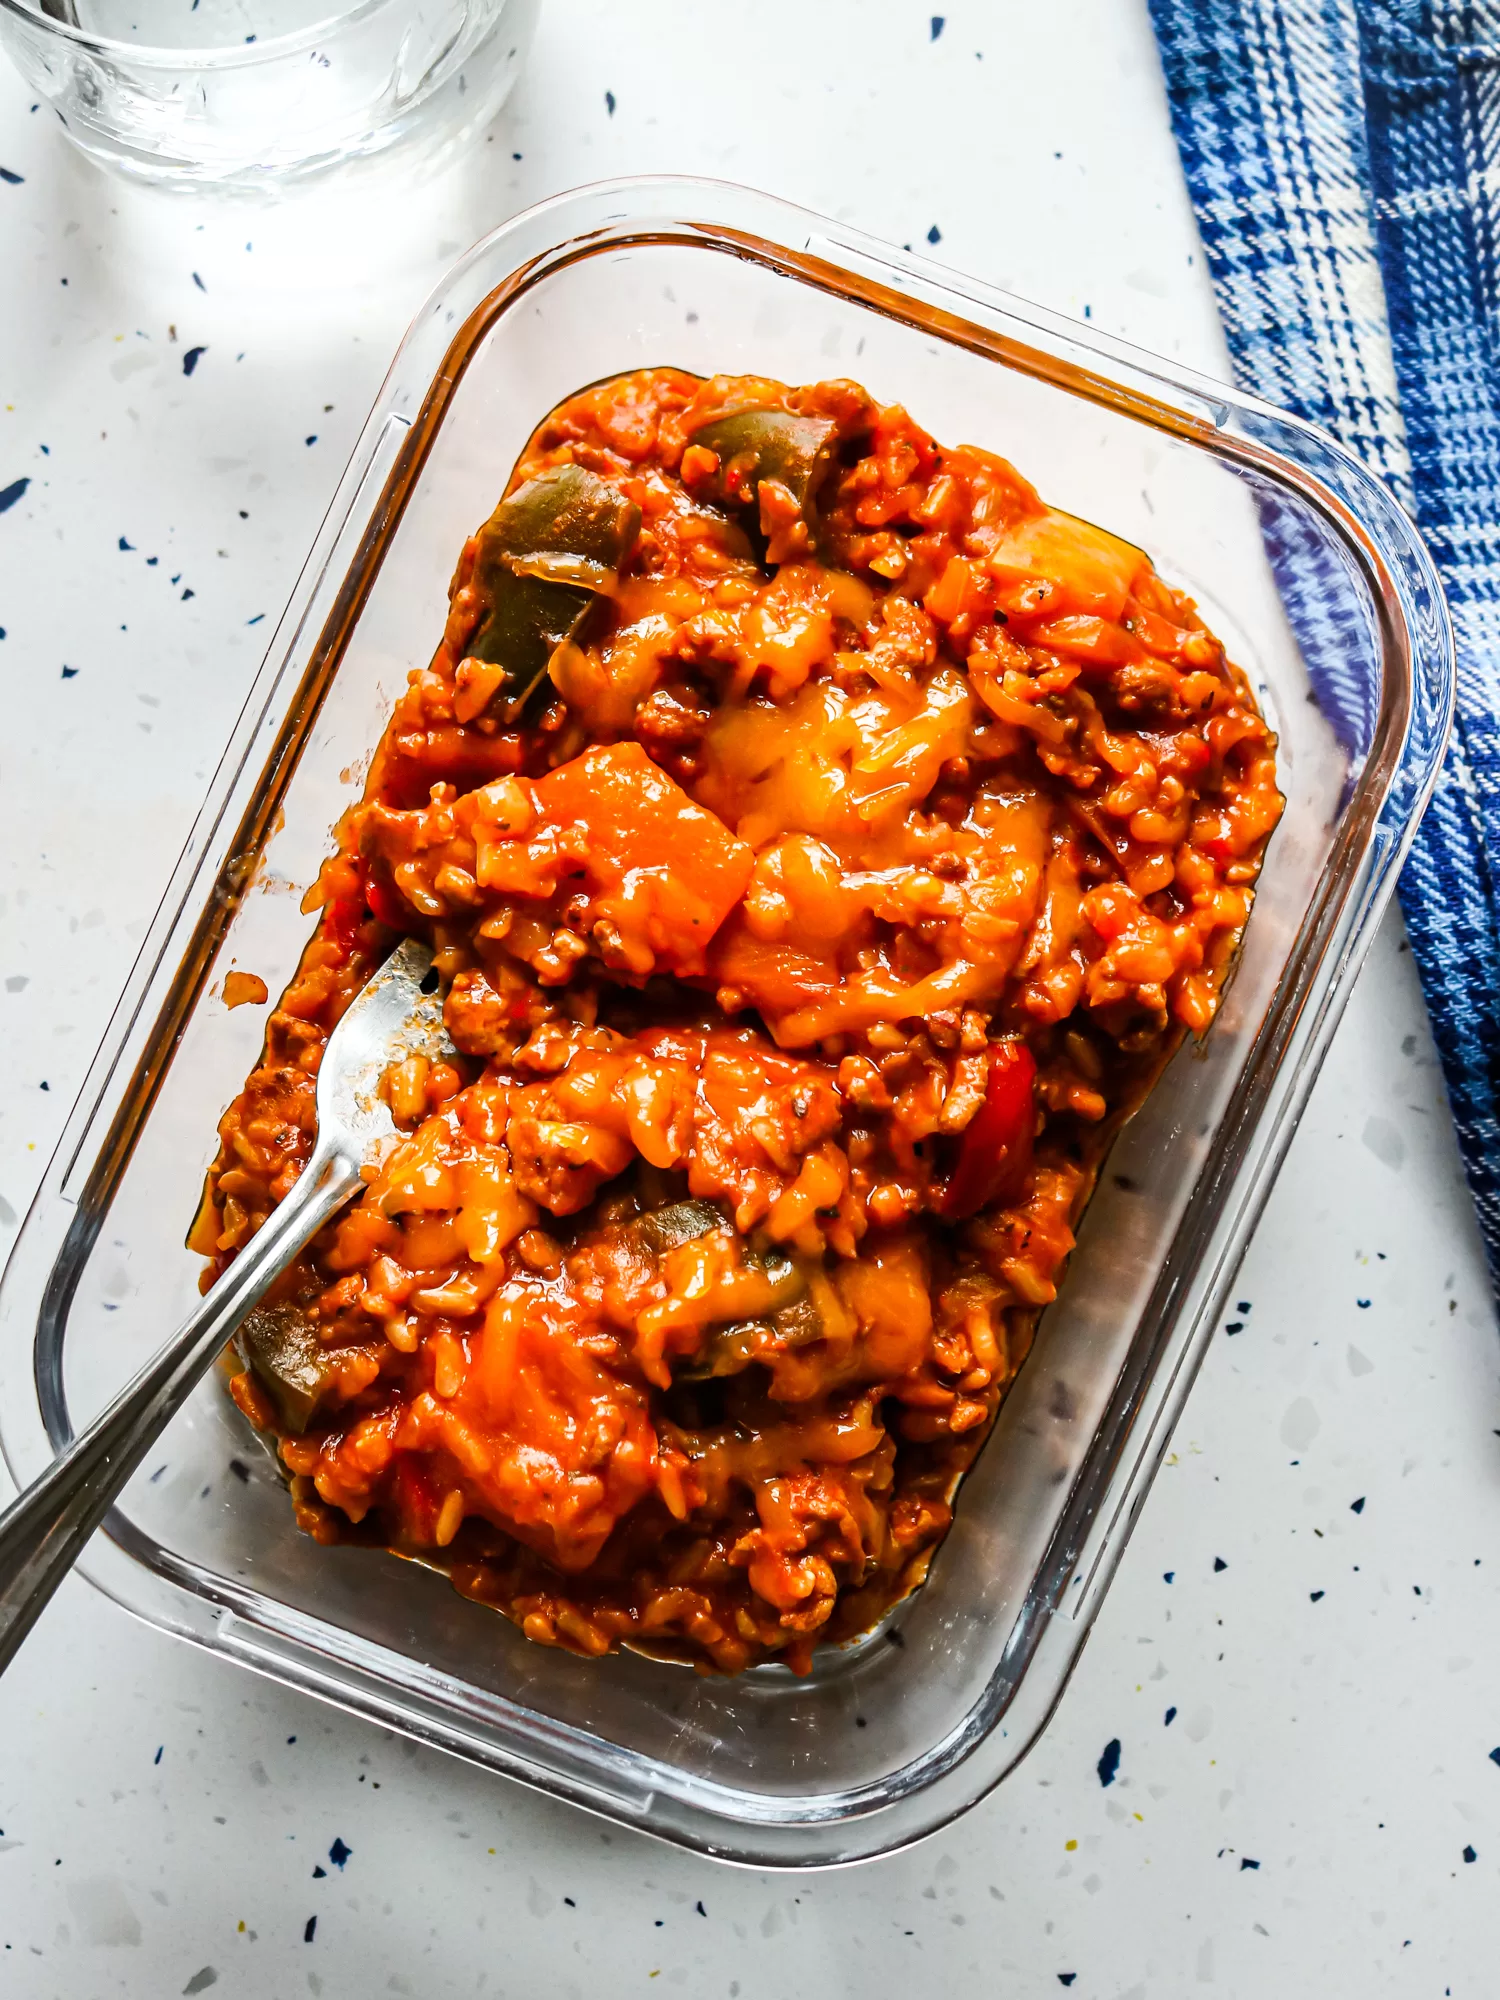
x: 1343, y: 157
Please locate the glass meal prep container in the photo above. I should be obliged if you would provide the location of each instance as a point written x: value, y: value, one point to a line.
x: 1321, y: 590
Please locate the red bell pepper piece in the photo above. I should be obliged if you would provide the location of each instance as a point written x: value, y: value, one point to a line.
x: 995, y: 1151
x: 416, y: 1504
x: 343, y: 917
x: 385, y: 902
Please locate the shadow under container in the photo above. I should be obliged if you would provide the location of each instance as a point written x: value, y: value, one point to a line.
x: 1323, y: 592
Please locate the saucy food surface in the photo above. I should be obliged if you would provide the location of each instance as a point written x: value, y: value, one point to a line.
x: 824, y: 845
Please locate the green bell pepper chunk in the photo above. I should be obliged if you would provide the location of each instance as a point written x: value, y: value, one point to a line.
x: 281, y: 1348
x: 662, y: 1229
x: 752, y: 445
x: 545, y: 555
x: 730, y: 1348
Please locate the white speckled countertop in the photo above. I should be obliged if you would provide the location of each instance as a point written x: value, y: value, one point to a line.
x: 1297, y: 1658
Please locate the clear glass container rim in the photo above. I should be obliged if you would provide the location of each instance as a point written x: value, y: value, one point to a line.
x: 228, y: 55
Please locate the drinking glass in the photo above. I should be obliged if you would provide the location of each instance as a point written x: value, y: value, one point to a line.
x: 253, y: 95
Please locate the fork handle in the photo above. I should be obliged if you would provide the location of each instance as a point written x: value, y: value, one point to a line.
x: 42, y: 1533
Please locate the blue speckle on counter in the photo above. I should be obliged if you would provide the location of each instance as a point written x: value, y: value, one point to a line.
x: 934, y: 235
x: 1314, y: 1595
x: 1246, y: 1862
x: 1234, y: 1326
x: 126, y: 547
x: 1470, y: 1855
x: 1495, y: 1754
x: 69, y: 673
x: 1066, y: 1978
x: 1363, y: 1304
x: 1242, y: 1305
x: 45, y: 450
x: 609, y: 102
x: 191, y: 359
x: 152, y: 561
x: 12, y: 180
x: 187, y: 594
x: 320, y: 1872
x: 937, y: 29
x: 310, y: 1930
x: 1166, y: 1721
x: 698, y: 1906
x: 570, y: 1903
x: 199, y: 282
x: 1168, y: 1575
x: 311, y: 440
x: 159, y: 1748
x: 1109, y: 1763
x: 1219, y: 1563
x: 1357, y: 1506
x: 9, y: 495
x: 338, y: 1854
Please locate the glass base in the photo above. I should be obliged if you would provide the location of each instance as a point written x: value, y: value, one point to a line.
x: 414, y: 78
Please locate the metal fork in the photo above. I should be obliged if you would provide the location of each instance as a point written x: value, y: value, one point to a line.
x: 42, y: 1533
